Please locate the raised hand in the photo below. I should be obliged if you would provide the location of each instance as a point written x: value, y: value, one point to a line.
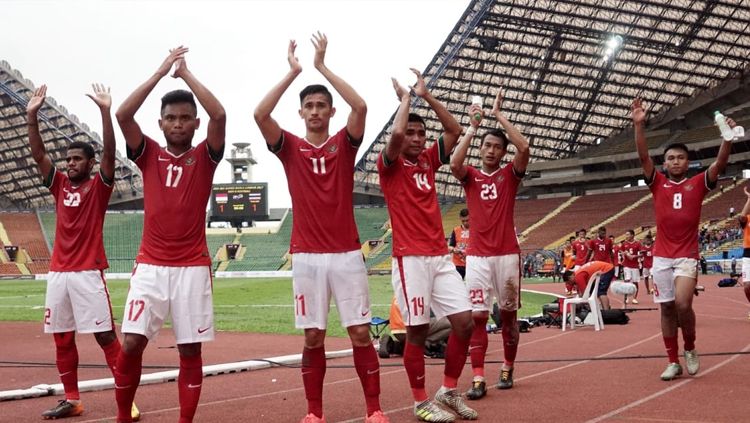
x: 101, y: 96
x: 180, y: 68
x: 476, y: 114
x: 175, y: 54
x: 400, y: 90
x: 320, y: 42
x: 637, y: 111
x: 731, y: 123
x: 37, y: 100
x: 497, y: 105
x: 420, y: 88
x: 746, y: 192
x: 294, y: 65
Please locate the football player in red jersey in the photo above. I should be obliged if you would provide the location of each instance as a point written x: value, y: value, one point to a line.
x: 630, y: 252
x: 424, y: 277
x: 600, y: 248
x: 172, y: 274
x: 77, y: 298
x: 327, y: 257
x: 677, y: 205
x: 493, y: 258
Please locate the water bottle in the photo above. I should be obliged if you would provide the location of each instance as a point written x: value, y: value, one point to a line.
x: 721, y: 121
x: 476, y: 101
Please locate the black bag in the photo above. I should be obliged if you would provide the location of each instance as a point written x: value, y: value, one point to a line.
x: 727, y: 283
x: 615, y: 317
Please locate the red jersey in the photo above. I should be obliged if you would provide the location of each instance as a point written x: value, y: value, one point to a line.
x: 409, y: 190
x: 80, y: 216
x: 581, y: 250
x: 490, y: 199
x: 321, y: 182
x: 602, y: 249
x: 175, y: 194
x: 630, y: 248
x: 617, y: 254
x: 677, y: 206
x: 647, y: 252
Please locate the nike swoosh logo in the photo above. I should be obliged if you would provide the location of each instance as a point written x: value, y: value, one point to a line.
x: 372, y: 372
x: 306, y: 373
x: 667, y: 186
x: 162, y: 159
x: 305, y: 149
x: 420, y: 377
x: 66, y: 373
x: 121, y: 387
x: 478, y: 179
x: 194, y: 386
x: 364, y: 313
x: 201, y: 330
x: 99, y: 322
x: 473, y: 347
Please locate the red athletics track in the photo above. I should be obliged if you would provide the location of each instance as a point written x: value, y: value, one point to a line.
x: 579, y: 390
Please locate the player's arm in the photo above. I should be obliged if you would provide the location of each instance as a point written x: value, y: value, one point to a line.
x: 268, y: 126
x: 451, y: 128
x: 452, y: 241
x: 103, y: 99
x: 745, y: 209
x: 638, y: 114
x: 589, y: 252
x: 521, y: 158
x: 126, y: 112
x: 38, y: 152
x: 718, y: 166
x: 355, y: 124
x: 458, y: 169
x: 398, y: 131
x: 217, y: 116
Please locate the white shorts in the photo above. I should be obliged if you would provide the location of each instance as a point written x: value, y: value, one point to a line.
x: 647, y: 272
x: 424, y: 283
x: 496, y: 276
x: 631, y: 274
x: 316, y: 276
x: 617, y: 271
x: 185, y: 292
x: 745, y: 269
x: 665, y: 270
x: 77, y: 301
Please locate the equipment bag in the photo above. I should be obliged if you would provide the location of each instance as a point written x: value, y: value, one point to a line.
x: 615, y: 317
x: 727, y: 282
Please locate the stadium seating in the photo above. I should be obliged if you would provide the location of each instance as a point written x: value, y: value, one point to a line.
x: 24, y: 230
x: 371, y: 222
x: 264, y: 251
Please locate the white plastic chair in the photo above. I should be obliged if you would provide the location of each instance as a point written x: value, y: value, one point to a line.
x: 589, y: 296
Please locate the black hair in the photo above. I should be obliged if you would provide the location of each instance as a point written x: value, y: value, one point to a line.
x: 463, y: 212
x: 571, y: 239
x: 315, y: 89
x: 88, y: 150
x: 497, y: 133
x: 677, y: 146
x: 631, y: 232
x: 568, y: 275
x: 178, y: 96
x: 413, y: 117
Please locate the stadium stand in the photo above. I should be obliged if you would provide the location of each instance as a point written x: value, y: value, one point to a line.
x: 371, y: 222
x: 24, y: 230
x: 264, y: 251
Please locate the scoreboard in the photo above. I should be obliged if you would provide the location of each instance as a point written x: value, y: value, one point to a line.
x: 245, y: 200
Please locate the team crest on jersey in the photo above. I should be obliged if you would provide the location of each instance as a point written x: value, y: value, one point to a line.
x: 332, y: 148
x: 190, y: 161
x: 424, y: 165
x: 86, y: 189
x: 688, y: 187
x: 499, y: 178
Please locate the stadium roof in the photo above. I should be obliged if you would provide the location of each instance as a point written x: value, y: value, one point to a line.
x: 20, y: 183
x: 570, y: 68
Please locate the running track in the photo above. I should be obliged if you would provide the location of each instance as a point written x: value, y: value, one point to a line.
x: 581, y: 378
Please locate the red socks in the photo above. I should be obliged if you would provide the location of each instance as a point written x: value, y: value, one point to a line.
x: 510, y: 336
x: 368, y: 368
x: 127, y: 377
x: 111, y: 351
x: 313, y: 373
x: 189, y: 384
x: 455, y: 360
x: 67, y: 363
x: 671, y: 343
x: 414, y: 366
x: 478, y: 346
